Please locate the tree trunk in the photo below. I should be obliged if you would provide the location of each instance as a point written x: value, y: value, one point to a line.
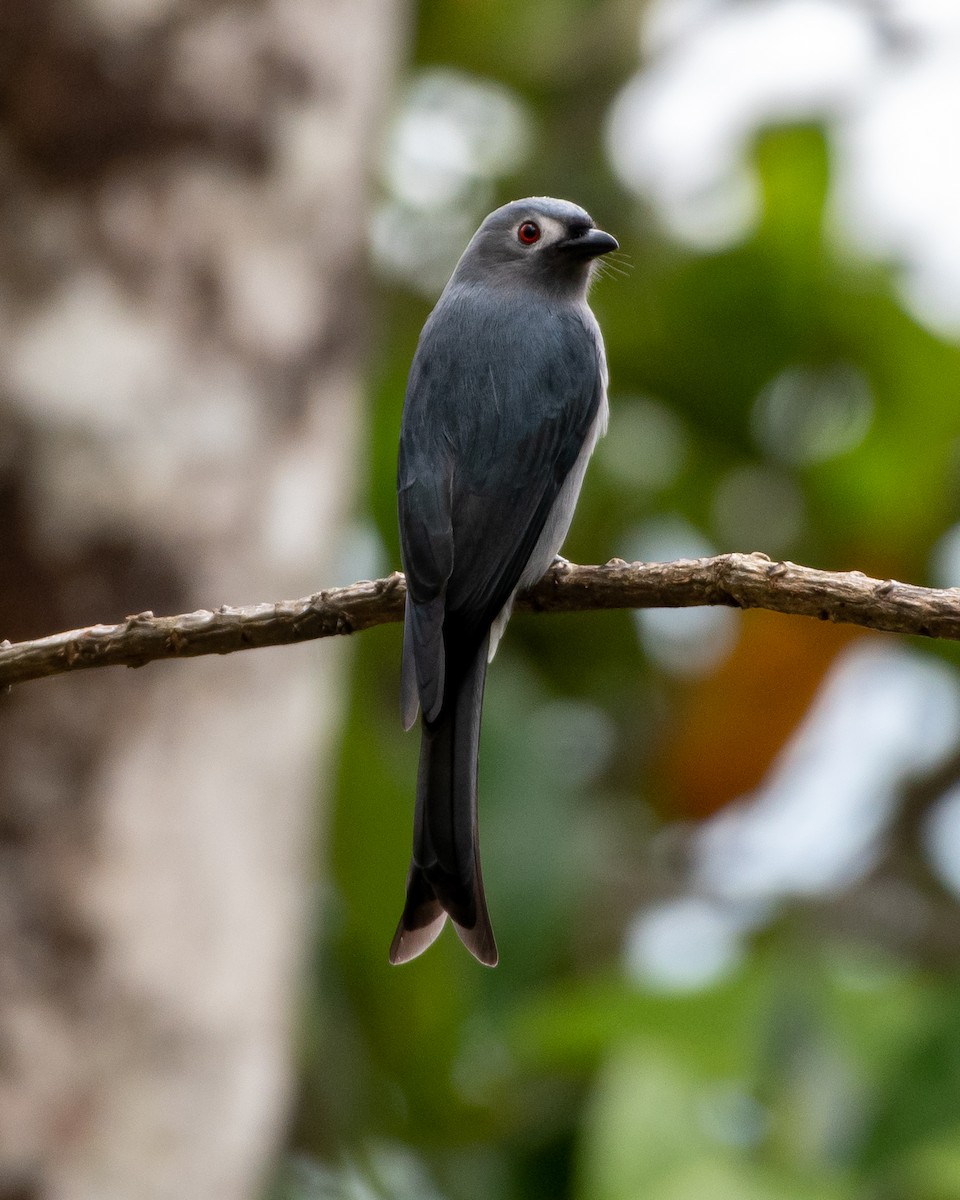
x: 181, y: 239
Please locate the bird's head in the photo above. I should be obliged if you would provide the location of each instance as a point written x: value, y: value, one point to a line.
x: 540, y: 242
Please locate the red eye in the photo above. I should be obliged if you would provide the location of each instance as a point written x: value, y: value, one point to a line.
x: 528, y: 233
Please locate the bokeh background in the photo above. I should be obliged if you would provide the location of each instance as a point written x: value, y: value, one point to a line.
x: 722, y: 850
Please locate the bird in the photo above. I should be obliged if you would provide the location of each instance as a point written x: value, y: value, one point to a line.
x: 505, y: 401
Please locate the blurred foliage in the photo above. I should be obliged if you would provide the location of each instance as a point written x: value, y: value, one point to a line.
x: 827, y: 1063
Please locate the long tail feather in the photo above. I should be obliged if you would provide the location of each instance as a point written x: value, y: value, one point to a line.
x: 422, y: 922
x: 445, y: 875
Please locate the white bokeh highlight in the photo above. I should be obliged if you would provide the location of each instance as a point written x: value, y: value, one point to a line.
x: 883, y: 80
x: 682, y: 641
x: 941, y: 838
x: 451, y: 138
x: 883, y: 716
x: 682, y: 945
x: 680, y: 131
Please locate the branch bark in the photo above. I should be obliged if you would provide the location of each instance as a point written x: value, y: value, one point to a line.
x: 737, y: 580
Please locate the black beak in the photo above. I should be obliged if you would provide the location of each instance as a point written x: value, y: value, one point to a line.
x: 590, y: 244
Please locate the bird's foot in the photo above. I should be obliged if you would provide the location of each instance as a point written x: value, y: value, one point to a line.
x: 560, y: 563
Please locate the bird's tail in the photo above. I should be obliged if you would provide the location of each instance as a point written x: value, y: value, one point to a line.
x: 445, y: 876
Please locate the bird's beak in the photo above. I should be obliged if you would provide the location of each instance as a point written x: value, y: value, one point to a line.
x: 591, y: 244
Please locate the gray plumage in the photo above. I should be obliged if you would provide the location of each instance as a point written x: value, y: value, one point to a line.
x: 505, y: 402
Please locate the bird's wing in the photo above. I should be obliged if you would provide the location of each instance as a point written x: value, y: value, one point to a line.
x: 424, y: 497
x: 488, y: 437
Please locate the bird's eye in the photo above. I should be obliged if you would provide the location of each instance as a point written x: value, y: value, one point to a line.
x: 528, y: 233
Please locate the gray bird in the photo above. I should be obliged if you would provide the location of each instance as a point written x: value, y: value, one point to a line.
x: 505, y: 402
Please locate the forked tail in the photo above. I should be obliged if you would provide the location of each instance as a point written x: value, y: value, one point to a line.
x: 445, y: 878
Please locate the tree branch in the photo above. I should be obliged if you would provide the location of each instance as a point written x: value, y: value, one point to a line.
x: 737, y: 580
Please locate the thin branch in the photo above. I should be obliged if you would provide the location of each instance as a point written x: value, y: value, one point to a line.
x: 737, y: 580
